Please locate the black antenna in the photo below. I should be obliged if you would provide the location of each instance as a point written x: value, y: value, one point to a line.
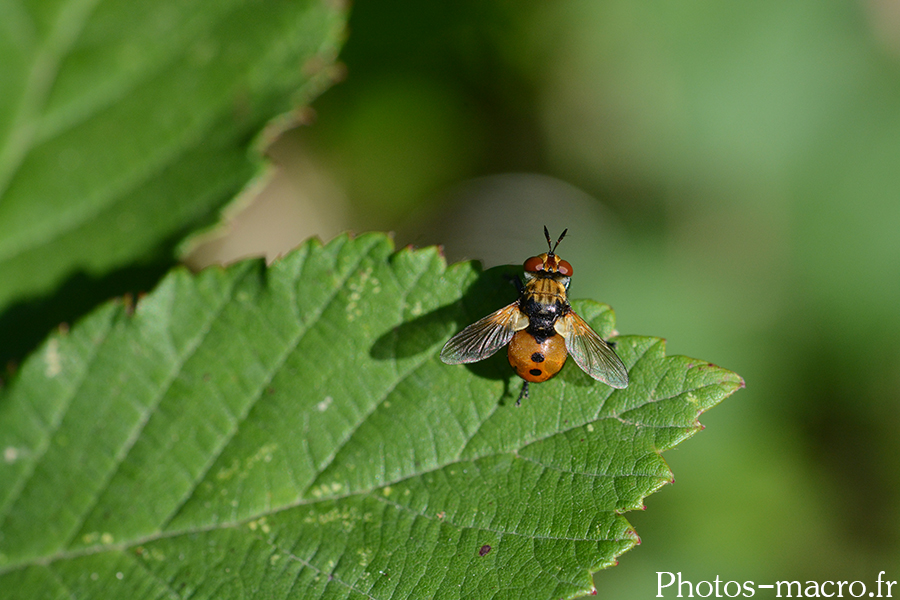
x: 553, y: 247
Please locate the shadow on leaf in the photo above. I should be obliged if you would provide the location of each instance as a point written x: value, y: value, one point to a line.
x: 25, y: 324
x: 493, y: 289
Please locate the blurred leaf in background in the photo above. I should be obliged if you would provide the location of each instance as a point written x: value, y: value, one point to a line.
x: 126, y: 125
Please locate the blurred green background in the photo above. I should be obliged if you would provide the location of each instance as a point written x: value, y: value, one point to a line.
x: 730, y: 177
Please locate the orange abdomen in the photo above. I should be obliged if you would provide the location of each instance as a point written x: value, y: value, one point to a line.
x: 536, y: 362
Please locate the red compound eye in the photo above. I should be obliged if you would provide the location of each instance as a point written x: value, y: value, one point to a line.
x: 564, y: 268
x: 534, y: 264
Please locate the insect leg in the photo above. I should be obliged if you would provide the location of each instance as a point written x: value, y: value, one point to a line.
x: 523, y: 393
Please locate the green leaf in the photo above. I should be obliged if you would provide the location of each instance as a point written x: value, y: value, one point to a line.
x: 126, y: 124
x: 291, y: 432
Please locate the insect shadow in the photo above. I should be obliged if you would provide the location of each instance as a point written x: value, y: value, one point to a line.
x: 493, y: 289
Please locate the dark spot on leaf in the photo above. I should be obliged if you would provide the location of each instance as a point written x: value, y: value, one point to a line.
x: 484, y: 550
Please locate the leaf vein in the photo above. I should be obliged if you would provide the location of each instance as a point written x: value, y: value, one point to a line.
x: 59, y: 581
x: 308, y: 564
x: 498, y: 532
x: 400, y: 378
x: 54, y: 424
x: 143, y: 566
x: 279, y: 362
x: 150, y: 409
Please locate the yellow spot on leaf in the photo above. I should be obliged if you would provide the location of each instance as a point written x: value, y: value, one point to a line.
x: 53, y: 365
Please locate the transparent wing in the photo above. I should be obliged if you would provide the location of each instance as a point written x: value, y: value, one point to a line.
x: 482, y: 338
x: 591, y: 353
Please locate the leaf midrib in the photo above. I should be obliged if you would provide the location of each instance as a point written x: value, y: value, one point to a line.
x: 123, y: 546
